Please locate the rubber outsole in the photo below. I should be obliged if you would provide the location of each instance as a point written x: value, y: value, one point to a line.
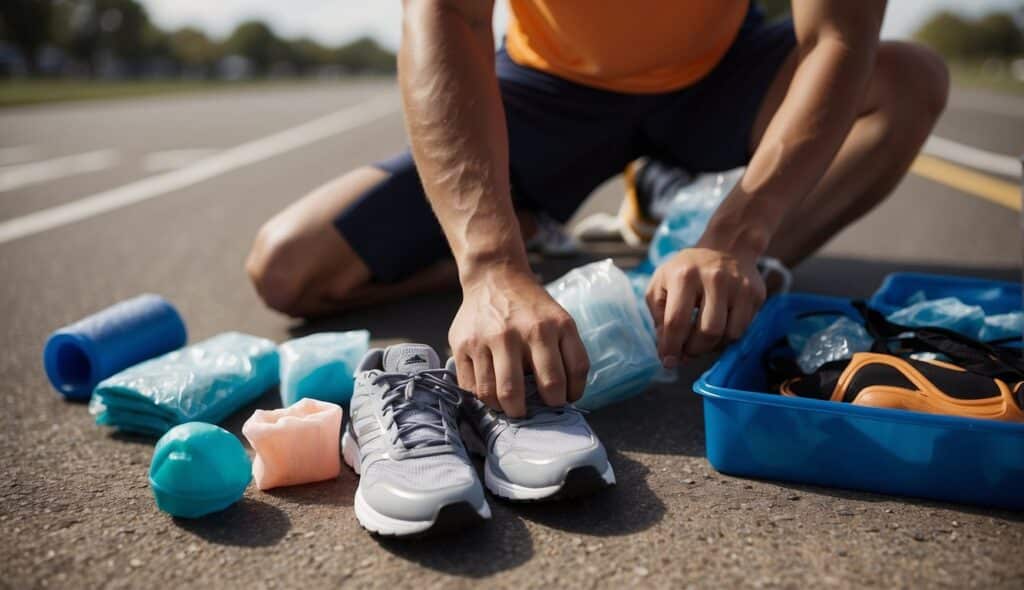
x: 579, y: 481
x: 453, y: 518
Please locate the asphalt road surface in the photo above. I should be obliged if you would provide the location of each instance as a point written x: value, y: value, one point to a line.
x: 102, y: 201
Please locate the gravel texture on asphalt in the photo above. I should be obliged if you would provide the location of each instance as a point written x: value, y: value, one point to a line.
x: 75, y: 506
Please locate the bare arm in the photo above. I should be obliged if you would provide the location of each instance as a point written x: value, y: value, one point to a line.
x: 836, y: 41
x: 507, y: 323
x: 456, y: 124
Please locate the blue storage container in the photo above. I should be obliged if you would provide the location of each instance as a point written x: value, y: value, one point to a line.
x: 753, y: 433
x: 994, y: 297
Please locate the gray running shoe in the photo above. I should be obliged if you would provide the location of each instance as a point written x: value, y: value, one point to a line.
x: 402, y: 439
x: 550, y: 454
x: 550, y: 239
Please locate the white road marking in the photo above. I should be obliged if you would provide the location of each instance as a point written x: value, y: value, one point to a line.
x: 16, y: 154
x: 174, y: 159
x: 242, y: 155
x: 21, y: 175
x: 972, y: 157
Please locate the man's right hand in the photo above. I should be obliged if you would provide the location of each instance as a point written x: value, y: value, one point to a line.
x: 509, y: 324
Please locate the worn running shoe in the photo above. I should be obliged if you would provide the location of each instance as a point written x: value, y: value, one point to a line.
x: 550, y: 454
x: 402, y: 439
x: 650, y: 188
x: 550, y: 239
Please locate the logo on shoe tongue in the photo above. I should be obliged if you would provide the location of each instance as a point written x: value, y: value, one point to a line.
x: 414, y: 359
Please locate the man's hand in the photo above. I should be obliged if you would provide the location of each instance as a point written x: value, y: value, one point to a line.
x: 508, y: 323
x: 456, y: 121
x: 727, y: 291
x: 837, y: 44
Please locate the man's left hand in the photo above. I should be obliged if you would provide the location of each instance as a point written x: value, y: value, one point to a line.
x: 726, y: 289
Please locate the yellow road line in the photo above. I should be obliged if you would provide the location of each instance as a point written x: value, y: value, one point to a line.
x: 973, y: 183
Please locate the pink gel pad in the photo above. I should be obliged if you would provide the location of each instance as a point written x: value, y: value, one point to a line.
x: 295, y: 445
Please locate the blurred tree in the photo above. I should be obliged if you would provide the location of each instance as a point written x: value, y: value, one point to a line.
x: 307, y: 55
x: 193, y: 50
x: 994, y: 35
x: 999, y: 35
x: 948, y: 33
x: 111, y: 29
x: 158, y: 59
x: 26, y: 23
x: 124, y: 25
x: 60, y: 23
x: 256, y: 41
x: 83, y: 33
x: 116, y: 38
x: 365, y: 55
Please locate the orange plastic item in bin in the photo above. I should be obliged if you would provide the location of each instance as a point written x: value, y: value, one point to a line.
x: 295, y: 445
x: 933, y: 387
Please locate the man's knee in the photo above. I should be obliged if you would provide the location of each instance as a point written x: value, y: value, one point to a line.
x: 301, y: 271
x: 275, y: 270
x: 914, y: 84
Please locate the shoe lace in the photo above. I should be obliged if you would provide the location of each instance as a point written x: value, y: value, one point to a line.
x: 411, y: 414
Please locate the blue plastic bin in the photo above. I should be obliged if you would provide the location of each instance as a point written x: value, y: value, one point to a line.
x: 766, y: 435
x: 994, y: 297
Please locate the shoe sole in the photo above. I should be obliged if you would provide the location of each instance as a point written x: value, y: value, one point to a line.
x: 578, y: 481
x: 449, y: 518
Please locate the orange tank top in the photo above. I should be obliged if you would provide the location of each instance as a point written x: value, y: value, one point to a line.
x: 633, y: 46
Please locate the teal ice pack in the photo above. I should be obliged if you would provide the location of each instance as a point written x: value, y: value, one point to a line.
x: 954, y: 314
x: 321, y: 366
x: 206, y: 382
x: 689, y: 213
x: 616, y: 329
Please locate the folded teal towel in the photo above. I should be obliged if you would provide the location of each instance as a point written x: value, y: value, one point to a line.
x: 205, y: 382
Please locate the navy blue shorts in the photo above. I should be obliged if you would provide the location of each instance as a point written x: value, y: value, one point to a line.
x: 565, y: 139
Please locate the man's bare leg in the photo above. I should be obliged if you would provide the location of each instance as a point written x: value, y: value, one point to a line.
x: 905, y: 97
x: 301, y: 266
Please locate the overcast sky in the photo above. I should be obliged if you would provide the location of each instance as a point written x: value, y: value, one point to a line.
x: 336, y: 21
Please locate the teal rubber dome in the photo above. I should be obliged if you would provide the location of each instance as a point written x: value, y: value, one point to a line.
x: 197, y: 469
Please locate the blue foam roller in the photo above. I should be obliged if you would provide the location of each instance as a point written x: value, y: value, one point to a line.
x: 79, y: 356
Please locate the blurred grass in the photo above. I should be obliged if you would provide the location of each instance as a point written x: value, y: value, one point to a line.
x: 23, y: 92
x: 989, y: 75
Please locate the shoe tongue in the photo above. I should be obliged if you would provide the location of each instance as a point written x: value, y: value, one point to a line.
x: 410, y: 358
